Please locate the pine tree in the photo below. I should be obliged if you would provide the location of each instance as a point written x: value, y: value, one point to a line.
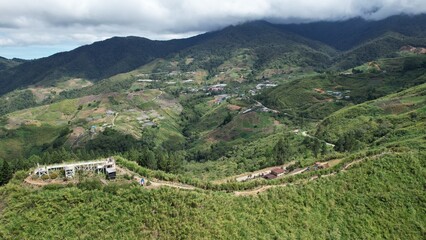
x: 324, y: 149
x: 5, y: 173
x: 163, y: 162
x: 34, y: 159
x: 133, y: 154
x: 282, y: 151
x: 316, y: 147
x: 150, y: 161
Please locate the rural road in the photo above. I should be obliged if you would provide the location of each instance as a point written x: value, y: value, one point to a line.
x: 158, y: 183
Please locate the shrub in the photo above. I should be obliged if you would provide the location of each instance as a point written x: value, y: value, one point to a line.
x: 45, y: 177
x: 90, y: 184
x: 53, y: 175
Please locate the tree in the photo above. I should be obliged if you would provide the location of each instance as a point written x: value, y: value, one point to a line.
x: 176, y: 161
x: 348, y: 142
x: 282, y: 151
x: 163, y: 161
x: 340, y: 145
x: 133, y: 154
x: 324, y: 149
x: 150, y: 161
x: 34, y: 159
x: 227, y: 119
x: 5, y: 173
x: 316, y: 146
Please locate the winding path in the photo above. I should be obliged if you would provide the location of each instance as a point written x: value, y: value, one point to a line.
x: 155, y: 183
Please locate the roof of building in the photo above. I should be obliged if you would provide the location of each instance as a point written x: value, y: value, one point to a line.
x: 270, y: 176
x: 110, y: 170
x: 277, y: 171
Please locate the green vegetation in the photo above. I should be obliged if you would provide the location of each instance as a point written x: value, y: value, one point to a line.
x: 249, y: 51
x: 308, y: 97
x: 387, y: 120
x: 200, y: 113
x: 5, y: 172
x: 360, y: 202
x: 16, y: 101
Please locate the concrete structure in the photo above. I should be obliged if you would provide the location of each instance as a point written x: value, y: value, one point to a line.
x: 69, y: 171
x: 71, y: 168
x: 111, y: 173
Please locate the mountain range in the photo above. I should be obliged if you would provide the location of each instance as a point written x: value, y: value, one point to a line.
x: 320, y: 45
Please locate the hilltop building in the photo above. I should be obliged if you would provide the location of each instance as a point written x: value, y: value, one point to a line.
x: 105, y: 165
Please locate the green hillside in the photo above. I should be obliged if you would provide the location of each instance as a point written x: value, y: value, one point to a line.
x: 394, y: 120
x: 9, y: 63
x: 24, y: 132
x: 255, y: 131
x: 354, y: 204
x: 256, y: 49
x: 386, y: 45
x: 308, y: 97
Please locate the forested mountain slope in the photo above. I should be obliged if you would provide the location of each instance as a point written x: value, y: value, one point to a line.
x: 265, y: 45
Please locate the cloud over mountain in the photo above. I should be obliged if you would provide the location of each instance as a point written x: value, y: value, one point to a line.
x: 50, y: 22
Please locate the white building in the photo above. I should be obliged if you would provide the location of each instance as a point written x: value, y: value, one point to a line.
x: 71, y: 168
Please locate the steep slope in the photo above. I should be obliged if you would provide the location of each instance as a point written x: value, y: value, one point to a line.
x: 266, y: 47
x: 345, y: 35
x: 265, y: 43
x: 394, y: 121
x: 9, y: 63
x: 317, y: 97
x: 94, y: 62
x: 386, y: 45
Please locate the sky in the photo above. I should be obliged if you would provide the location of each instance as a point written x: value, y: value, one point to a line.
x: 32, y: 29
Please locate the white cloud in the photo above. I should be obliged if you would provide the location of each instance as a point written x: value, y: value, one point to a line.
x: 45, y: 22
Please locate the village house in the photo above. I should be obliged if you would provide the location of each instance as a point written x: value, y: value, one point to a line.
x: 320, y: 165
x: 265, y: 85
x: 220, y: 98
x: 217, y: 87
x: 110, y: 112
x: 110, y: 173
x: 276, y: 172
x: 269, y: 176
x: 145, y: 80
x: 187, y: 81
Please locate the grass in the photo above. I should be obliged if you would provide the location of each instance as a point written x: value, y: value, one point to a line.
x: 20, y: 141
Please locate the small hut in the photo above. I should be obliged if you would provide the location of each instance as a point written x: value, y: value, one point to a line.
x: 110, y: 173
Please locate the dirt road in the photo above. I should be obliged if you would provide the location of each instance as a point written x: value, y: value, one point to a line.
x: 155, y: 183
